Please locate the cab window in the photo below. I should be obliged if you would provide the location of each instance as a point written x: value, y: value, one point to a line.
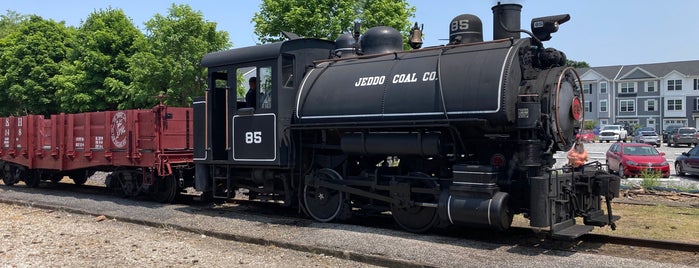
x: 254, y: 87
x: 265, y: 84
x: 288, y: 71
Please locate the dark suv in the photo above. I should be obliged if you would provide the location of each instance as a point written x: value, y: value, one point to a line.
x: 669, y: 129
x: 682, y: 135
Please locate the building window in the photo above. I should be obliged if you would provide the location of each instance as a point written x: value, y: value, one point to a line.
x: 675, y: 122
x: 588, y: 106
x: 650, y: 122
x: 650, y: 86
x: 696, y: 84
x: 650, y: 105
x: 587, y: 89
x: 696, y: 105
x: 674, y: 105
x: 628, y: 87
x: 629, y: 121
x: 674, y: 85
x: 603, y: 106
x: 603, y: 87
x: 627, y: 106
x: 603, y: 122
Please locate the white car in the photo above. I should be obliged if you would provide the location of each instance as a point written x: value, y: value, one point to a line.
x: 612, y: 133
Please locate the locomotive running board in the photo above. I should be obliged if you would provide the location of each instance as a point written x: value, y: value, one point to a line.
x: 569, y: 230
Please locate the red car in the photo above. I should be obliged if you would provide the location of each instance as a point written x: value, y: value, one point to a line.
x: 587, y: 135
x: 630, y: 159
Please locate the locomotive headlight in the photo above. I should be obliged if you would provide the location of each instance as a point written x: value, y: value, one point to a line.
x: 576, y: 109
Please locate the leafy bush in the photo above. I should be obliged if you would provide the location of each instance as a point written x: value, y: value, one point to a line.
x: 650, y: 178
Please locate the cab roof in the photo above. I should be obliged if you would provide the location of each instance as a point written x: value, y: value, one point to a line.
x: 262, y: 52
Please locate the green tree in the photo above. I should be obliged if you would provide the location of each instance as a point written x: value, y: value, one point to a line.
x: 9, y: 22
x: 29, y: 57
x: 98, y: 76
x: 589, y: 124
x: 327, y: 19
x: 577, y: 64
x: 169, y: 58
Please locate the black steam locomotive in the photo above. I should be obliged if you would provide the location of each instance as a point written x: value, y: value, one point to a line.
x: 462, y: 133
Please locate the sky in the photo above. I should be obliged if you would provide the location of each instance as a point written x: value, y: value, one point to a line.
x: 600, y: 32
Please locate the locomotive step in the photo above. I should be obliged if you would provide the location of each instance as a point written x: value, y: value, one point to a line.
x: 572, y: 232
x: 600, y: 220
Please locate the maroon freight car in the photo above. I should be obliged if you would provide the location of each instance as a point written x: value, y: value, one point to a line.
x: 145, y: 150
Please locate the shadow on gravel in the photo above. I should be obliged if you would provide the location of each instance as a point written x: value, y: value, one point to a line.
x: 518, y: 240
x: 52, y: 192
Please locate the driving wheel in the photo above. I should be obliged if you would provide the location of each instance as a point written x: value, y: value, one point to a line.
x: 323, y: 204
x: 418, y: 219
x: 165, y: 189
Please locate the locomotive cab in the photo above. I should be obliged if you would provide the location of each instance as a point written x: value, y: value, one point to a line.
x: 242, y: 131
x: 250, y: 133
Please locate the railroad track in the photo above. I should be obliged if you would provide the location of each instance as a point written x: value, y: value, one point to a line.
x: 516, y: 236
x: 641, y: 242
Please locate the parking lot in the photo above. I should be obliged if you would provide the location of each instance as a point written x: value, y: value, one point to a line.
x: 597, y: 151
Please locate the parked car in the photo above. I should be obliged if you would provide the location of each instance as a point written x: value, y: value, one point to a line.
x: 612, y: 133
x: 638, y: 131
x: 669, y: 130
x: 688, y: 162
x: 648, y: 137
x: 682, y: 135
x: 586, y: 135
x: 630, y: 159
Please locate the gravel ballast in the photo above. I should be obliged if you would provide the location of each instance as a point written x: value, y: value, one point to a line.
x: 351, y: 241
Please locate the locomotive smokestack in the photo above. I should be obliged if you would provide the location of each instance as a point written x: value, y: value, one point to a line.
x: 507, y: 16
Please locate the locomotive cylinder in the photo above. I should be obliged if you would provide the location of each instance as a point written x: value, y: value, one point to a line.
x: 392, y: 144
x: 476, y: 209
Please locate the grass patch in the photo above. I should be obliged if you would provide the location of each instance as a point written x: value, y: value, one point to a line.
x: 655, y: 222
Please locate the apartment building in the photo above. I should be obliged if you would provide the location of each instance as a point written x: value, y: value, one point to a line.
x: 655, y: 95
